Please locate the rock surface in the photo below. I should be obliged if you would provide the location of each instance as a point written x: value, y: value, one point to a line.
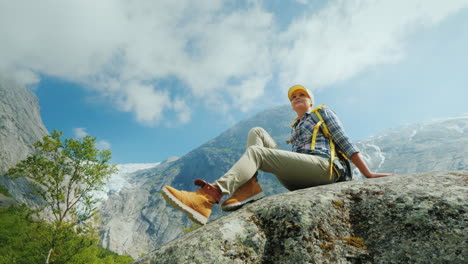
x: 128, y: 216
x: 20, y: 123
x: 20, y: 127
x: 418, y: 218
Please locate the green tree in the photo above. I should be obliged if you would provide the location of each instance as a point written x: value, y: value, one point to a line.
x: 66, y: 174
x: 24, y: 240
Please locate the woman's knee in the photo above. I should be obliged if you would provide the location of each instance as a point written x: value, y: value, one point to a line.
x: 257, y: 130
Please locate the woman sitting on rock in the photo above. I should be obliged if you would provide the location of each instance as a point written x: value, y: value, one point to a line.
x: 300, y: 168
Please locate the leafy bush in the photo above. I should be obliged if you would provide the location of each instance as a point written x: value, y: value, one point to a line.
x: 24, y: 240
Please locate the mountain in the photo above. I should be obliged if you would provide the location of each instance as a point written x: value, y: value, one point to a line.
x: 20, y: 127
x: 429, y: 146
x: 20, y: 123
x: 124, y: 223
x: 123, y: 178
x: 435, y: 145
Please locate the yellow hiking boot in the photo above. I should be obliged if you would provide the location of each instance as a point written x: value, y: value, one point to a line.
x: 248, y: 192
x: 197, y: 205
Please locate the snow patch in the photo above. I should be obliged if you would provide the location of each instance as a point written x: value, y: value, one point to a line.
x: 457, y: 128
x: 379, y: 154
x: 413, y: 133
x: 368, y: 157
x: 120, y: 179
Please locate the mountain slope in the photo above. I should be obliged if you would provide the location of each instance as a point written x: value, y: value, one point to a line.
x: 431, y: 146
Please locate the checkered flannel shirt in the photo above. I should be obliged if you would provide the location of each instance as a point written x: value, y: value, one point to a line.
x: 301, y: 135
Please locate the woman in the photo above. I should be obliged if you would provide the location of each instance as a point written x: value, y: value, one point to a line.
x: 302, y: 167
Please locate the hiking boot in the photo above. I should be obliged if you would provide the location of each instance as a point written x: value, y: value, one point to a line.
x: 248, y: 192
x: 197, y: 205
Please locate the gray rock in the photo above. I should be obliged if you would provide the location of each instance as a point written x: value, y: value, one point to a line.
x: 418, y: 218
x: 135, y: 219
x: 20, y: 123
x: 20, y: 127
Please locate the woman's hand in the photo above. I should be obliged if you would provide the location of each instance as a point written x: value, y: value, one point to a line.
x: 362, y: 166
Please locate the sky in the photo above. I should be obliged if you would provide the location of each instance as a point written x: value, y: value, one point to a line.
x: 154, y: 79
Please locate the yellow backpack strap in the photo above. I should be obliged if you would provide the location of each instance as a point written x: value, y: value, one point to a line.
x: 333, y: 157
x: 317, y: 108
x: 326, y: 133
x: 342, y: 154
x: 325, y: 128
x: 314, y: 135
x: 317, y: 126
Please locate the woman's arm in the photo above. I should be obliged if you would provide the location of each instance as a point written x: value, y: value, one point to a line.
x: 362, y: 166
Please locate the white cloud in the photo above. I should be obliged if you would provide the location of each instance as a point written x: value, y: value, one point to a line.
x: 347, y: 37
x: 80, y: 132
x: 183, y: 111
x: 102, y: 144
x: 224, y: 55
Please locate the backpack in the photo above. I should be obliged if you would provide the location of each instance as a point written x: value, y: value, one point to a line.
x: 341, y: 164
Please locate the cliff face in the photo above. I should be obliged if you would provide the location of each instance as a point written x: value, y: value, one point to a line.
x: 128, y: 225
x: 418, y: 218
x: 20, y: 123
x: 20, y: 127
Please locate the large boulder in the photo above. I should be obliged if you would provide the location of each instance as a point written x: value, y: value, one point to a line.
x: 418, y: 218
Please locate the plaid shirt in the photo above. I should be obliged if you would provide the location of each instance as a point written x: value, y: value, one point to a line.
x: 301, y: 135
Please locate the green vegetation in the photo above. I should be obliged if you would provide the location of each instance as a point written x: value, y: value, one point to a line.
x: 4, y: 191
x: 64, y: 174
x: 24, y: 240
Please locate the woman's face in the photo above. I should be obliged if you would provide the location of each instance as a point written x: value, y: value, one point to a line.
x: 300, y: 101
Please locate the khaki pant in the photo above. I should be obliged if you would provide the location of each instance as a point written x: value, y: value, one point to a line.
x: 293, y: 170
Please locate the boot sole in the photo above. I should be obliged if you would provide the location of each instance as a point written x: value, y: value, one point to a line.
x: 238, y: 205
x: 192, y: 214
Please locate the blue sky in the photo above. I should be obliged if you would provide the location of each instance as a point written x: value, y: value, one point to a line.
x: 154, y: 79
